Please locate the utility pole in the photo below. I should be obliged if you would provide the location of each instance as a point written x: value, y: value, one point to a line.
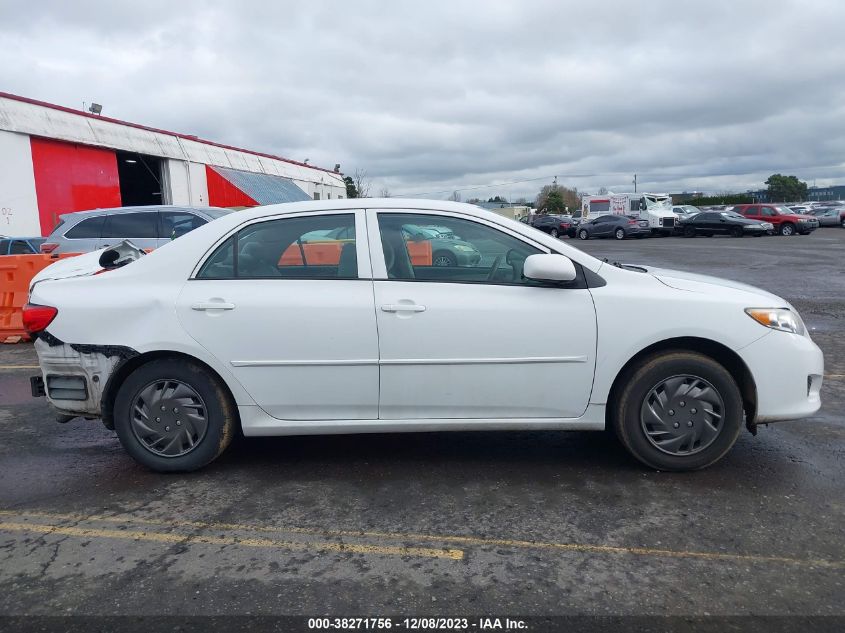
x: 635, y: 183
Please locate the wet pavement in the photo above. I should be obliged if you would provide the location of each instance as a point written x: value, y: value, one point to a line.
x: 444, y: 524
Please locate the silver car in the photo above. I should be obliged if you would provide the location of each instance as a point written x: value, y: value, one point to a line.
x: 146, y: 227
x: 827, y: 216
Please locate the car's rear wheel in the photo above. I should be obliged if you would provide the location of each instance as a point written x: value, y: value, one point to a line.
x: 171, y: 415
x: 619, y: 234
x: 787, y: 228
x: 444, y: 259
x: 554, y: 233
x: 678, y: 411
x: 583, y: 234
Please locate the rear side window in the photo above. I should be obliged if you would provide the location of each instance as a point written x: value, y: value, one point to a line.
x: 87, y: 229
x: 314, y: 247
x: 137, y: 225
x: 4, y: 247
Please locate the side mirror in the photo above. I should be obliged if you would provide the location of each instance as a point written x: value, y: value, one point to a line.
x: 549, y: 268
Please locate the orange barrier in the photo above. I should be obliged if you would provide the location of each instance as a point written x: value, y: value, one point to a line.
x: 16, y: 271
x: 316, y: 254
x: 419, y: 252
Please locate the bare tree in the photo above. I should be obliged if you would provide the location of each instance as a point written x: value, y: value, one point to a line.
x: 384, y: 193
x: 456, y: 196
x: 603, y: 191
x: 362, y: 183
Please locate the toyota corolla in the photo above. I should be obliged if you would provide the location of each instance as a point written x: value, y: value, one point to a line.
x: 243, y: 325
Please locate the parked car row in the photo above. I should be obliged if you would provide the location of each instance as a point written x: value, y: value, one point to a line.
x: 736, y: 220
x: 153, y: 226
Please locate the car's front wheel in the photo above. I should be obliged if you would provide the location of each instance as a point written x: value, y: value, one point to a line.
x: 689, y: 231
x: 171, y: 415
x: 787, y: 228
x: 678, y: 411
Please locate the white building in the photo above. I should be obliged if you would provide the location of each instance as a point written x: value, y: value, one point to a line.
x: 56, y: 160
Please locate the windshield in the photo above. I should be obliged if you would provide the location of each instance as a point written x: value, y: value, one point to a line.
x: 732, y: 214
x: 785, y: 211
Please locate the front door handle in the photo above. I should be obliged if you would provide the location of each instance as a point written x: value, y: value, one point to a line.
x: 400, y: 307
x: 213, y: 305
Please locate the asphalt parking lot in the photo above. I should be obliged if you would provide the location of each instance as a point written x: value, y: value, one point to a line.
x: 442, y: 524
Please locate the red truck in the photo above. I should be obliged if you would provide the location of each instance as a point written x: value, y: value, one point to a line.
x: 785, y: 220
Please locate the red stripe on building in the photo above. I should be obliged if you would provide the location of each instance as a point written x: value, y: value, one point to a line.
x: 70, y: 177
x: 222, y: 193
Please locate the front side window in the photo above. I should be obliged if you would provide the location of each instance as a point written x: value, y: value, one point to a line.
x: 439, y: 248
x: 87, y: 229
x: 175, y: 224
x: 129, y: 225
x: 313, y: 247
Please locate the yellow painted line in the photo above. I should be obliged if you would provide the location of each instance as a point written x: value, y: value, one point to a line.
x: 452, y: 539
x: 834, y: 375
x: 158, y: 537
x: 20, y: 367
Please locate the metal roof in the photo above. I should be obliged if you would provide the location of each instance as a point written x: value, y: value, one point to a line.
x: 263, y: 188
x: 48, y: 120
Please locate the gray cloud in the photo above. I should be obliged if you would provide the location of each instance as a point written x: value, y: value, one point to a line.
x: 438, y: 95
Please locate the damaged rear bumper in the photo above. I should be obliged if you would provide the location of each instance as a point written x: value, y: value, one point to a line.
x: 74, y: 377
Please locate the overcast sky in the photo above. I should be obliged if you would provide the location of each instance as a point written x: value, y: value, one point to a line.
x: 431, y: 96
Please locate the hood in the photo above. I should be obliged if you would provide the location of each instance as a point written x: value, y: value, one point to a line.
x: 694, y: 282
x: 89, y: 263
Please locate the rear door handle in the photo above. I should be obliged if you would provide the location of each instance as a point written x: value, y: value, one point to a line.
x: 213, y: 305
x: 399, y: 307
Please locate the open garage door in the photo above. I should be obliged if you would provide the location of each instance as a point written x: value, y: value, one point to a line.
x: 235, y: 188
x: 140, y: 179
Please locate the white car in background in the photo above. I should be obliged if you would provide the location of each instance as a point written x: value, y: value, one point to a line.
x: 240, y: 324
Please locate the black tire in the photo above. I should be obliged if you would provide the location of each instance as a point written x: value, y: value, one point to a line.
x: 582, y: 234
x: 689, y: 231
x: 619, y: 234
x: 554, y: 233
x: 219, y: 409
x: 444, y: 259
x: 638, y: 383
x: 787, y: 228
x: 737, y: 231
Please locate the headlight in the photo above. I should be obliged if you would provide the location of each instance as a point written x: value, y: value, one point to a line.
x: 465, y: 249
x: 782, y: 319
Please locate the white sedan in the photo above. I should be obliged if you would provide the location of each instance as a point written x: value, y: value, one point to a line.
x: 241, y: 324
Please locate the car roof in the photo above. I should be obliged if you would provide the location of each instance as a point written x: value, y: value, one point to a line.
x: 140, y: 209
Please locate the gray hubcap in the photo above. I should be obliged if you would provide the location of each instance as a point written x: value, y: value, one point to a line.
x: 169, y: 418
x: 786, y: 230
x: 682, y: 415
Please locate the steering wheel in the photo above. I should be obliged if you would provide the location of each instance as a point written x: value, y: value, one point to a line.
x: 495, y: 267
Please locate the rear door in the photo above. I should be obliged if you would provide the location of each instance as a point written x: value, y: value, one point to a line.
x: 292, y: 318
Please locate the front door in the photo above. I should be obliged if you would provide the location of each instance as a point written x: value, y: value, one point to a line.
x: 475, y: 339
x: 289, y: 309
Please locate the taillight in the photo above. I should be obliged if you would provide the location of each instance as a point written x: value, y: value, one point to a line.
x: 36, y: 318
x: 48, y: 247
x: 564, y: 225
x: 633, y: 222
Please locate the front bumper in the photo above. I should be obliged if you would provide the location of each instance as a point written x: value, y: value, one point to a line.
x: 788, y: 370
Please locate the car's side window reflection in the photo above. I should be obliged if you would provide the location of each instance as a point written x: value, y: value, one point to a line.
x: 439, y: 248
x: 311, y: 247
